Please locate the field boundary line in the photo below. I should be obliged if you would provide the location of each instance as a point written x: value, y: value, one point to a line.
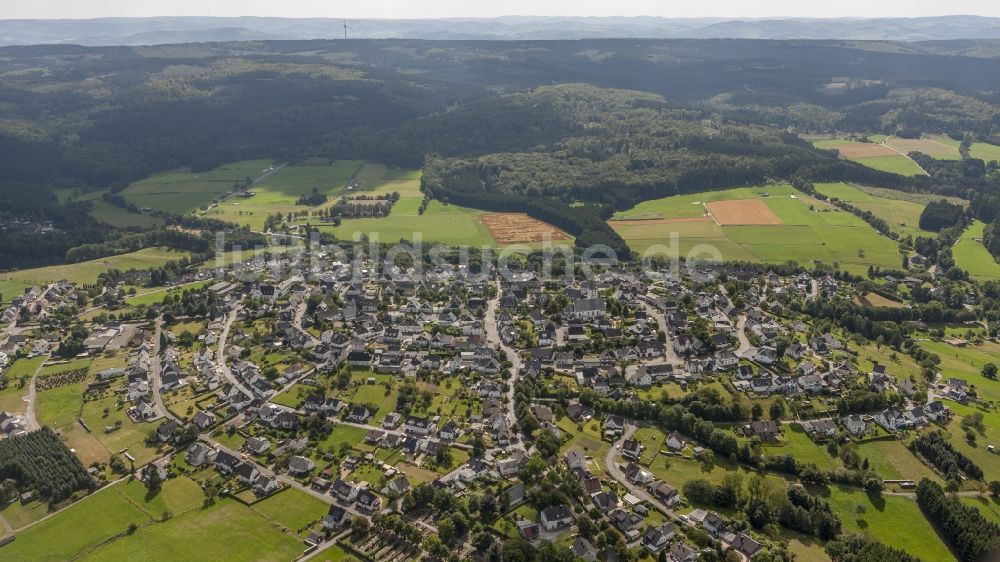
x: 903, y: 155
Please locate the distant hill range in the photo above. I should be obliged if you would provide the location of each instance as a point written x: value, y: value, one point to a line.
x: 163, y: 30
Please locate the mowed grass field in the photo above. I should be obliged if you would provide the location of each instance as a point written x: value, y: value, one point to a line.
x: 972, y: 256
x: 811, y: 230
x: 183, y: 191
x: 278, y: 192
x: 86, y: 272
x: 897, y: 521
x: 77, y: 528
x: 902, y: 214
x: 896, y: 164
x: 224, y: 531
x: 96, y: 529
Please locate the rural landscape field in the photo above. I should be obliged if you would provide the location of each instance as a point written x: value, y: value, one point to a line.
x: 584, y: 288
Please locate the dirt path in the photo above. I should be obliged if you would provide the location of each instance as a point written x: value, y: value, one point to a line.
x: 903, y: 155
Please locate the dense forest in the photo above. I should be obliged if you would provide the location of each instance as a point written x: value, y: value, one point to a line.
x: 537, y: 126
x: 40, y: 462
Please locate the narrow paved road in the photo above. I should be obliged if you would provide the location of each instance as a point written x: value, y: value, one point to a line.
x: 30, y: 418
x: 746, y: 349
x: 220, y: 355
x: 611, y: 465
x: 661, y: 322
x: 493, y: 336
x: 155, y: 371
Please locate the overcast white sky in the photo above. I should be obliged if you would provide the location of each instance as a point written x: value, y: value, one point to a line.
x: 480, y: 8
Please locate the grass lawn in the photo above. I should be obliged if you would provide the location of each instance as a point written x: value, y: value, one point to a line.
x: 892, y: 460
x: 676, y: 470
x: 292, y: 508
x: 77, y: 528
x: 897, y: 521
x: 589, y: 441
x: 797, y: 443
x: 989, y: 462
x: 130, y: 436
x: 18, y: 515
x: 225, y: 531
x: 376, y: 394
x: 652, y: 439
x: 972, y: 256
x: 86, y: 272
x: 507, y: 527
x: 295, y: 395
x: 343, y: 434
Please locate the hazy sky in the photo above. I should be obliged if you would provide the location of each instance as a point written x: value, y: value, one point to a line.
x: 479, y: 8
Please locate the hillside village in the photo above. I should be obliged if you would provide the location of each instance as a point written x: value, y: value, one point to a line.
x: 387, y: 395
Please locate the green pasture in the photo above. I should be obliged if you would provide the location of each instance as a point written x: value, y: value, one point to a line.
x: 183, y: 191
x: 86, y: 272
x: 896, y: 164
x: 971, y: 255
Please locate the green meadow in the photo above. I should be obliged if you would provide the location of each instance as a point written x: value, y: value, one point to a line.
x: 121, y: 218
x: 9, y: 289
x: 448, y: 224
x: 895, y: 520
x: 278, y: 192
x: 86, y: 272
x: 96, y: 528
x: 183, y: 191
x: 812, y: 230
x: 896, y: 164
x: 984, y: 151
x: 902, y: 214
x: 972, y: 256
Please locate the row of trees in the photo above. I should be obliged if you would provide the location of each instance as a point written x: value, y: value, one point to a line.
x: 972, y: 537
x: 935, y: 448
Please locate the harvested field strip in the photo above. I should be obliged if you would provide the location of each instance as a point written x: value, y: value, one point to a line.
x: 518, y: 228
x: 930, y: 147
x: 864, y: 150
x: 742, y: 211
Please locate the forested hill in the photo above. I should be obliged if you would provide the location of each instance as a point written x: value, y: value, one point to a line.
x: 104, y: 116
x: 605, y: 121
